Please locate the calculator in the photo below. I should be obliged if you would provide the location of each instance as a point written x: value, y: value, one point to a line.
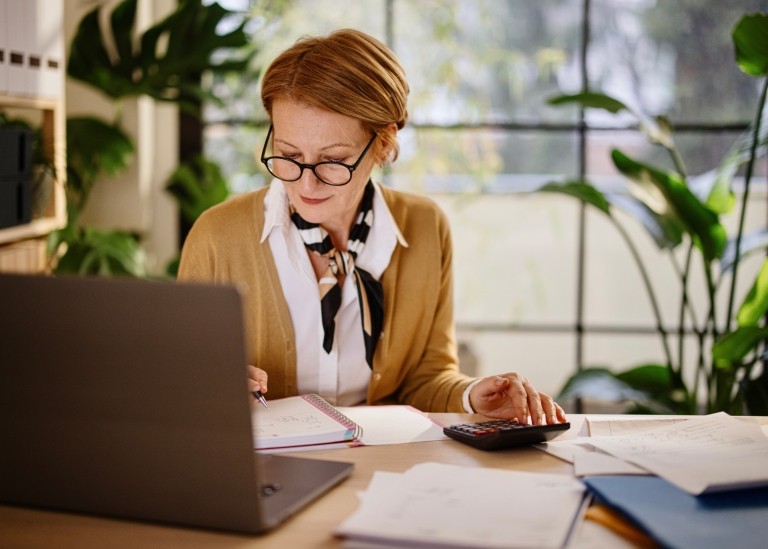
x: 498, y: 434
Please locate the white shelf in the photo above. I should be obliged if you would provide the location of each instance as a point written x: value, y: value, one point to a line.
x: 54, y: 214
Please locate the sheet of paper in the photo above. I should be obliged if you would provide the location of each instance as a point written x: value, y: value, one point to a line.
x: 440, y: 505
x: 566, y: 449
x: 587, y: 460
x: 703, y: 454
x: 393, y: 424
x: 599, y: 427
x: 587, y: 464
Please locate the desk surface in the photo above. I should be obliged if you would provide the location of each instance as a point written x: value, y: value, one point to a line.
x: 311, y: 528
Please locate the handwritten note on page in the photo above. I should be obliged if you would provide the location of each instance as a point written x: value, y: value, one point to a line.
x: 703, y: 454
x: 300, y: 420
x: 440, y: 505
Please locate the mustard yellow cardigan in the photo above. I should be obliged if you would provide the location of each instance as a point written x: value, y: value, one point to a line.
x: 416, y: 358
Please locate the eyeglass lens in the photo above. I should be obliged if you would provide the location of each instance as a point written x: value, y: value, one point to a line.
x: 329, y: 172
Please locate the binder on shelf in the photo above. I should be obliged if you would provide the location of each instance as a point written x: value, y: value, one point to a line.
x: 15, y: 176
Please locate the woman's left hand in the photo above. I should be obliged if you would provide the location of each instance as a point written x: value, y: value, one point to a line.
x: 510, y: 395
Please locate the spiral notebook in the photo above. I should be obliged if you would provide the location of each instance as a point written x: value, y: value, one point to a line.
x: 304, y: 420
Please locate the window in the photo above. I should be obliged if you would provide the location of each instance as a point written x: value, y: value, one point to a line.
x: 541, y: 283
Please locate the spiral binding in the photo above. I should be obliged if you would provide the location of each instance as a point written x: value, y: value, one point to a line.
x: 324, y: 406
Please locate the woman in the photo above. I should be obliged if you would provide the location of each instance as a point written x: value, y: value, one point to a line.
x: 347, y: 285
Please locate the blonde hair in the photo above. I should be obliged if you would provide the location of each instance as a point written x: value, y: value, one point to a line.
x: 347, y: 72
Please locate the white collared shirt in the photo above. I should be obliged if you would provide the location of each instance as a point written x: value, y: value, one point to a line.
x: 341, y: 376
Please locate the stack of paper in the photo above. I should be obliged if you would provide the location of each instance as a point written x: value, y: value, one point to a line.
x: 439, y: 505
x: 701, y: 455
x: 698, y: 483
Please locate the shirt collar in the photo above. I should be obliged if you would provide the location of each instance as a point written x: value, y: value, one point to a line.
x: 276, y: 209
x: 277, y: 213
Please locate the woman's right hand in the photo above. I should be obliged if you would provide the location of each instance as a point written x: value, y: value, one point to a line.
x: 257, y: 380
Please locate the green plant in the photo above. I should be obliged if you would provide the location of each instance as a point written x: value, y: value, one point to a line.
x: 730, y: 373
x: 94, y: 149
x: 196, y: 185
x: 164, y: 62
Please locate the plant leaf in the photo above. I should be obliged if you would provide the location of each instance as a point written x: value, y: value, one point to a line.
x: 755, y: 304
x: 664, y: 392
x: 667, y: 194
x: 734, y: 346
x: 717, y: 186
x: 591, y: 100
x: 123, y: 17
x: 581, y: 190
x: 653, y: 378
x: 88, y: 54
x: 604, y: 385
x: 105, y: 253
x: 197, y: 186
x: 749, y: 40
x: 141, y: 66
x: 94, y: 148
x: 665, y: 231
x: 598, y: 384
x: 713, y: 188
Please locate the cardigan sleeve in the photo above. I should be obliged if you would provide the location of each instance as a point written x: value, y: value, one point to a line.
x: 419, y: 362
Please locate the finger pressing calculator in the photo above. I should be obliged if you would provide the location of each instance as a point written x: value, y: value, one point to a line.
x: 498, y: 434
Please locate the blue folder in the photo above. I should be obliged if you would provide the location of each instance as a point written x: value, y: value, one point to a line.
x: 675, y: 518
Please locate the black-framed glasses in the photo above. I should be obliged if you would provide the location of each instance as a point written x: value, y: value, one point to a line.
x: 329, y: 172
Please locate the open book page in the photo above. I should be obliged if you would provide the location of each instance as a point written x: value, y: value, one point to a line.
x: 703, y: 454
x: 300, y: 421
x: 395, y: 424
x: 440, y: 505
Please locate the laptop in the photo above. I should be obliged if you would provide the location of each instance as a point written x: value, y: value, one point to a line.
x: 128, y: 398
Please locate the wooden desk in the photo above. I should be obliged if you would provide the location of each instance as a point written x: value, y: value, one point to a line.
x: 311, y: 528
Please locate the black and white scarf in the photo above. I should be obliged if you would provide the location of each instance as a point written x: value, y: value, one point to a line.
x: 369, y: 290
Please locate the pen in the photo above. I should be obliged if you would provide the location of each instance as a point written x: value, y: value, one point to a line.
x: 260, y: 397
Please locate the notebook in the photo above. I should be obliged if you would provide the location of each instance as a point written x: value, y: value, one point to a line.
x: 128, y: 398
x: 304, y: 420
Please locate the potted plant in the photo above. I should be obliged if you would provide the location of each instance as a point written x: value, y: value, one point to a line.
x: 165, y: 62
x: 730, y: 374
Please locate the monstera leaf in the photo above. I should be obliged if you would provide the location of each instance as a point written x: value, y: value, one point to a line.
x: 165, y: 62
